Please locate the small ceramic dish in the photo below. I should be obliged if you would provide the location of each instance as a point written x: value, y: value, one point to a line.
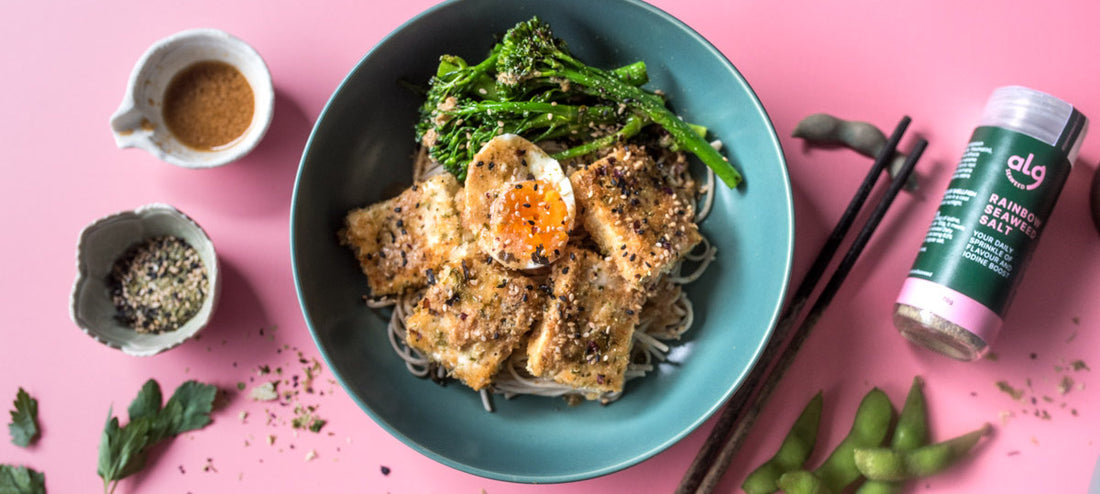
x: 139, y: 121
x: 102, y: 243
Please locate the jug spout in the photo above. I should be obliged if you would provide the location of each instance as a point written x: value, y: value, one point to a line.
x: 131, y: 126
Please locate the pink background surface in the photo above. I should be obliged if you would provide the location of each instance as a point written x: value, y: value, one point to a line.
x: 65, y: 67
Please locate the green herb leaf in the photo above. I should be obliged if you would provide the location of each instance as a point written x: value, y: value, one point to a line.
x: 123, y: 450
x: 196, y: 402
x: 21, y: 480
x: 148, y: 401
x: 24, y: 419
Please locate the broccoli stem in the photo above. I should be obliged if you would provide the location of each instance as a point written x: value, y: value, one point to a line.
x: 634, y: 74
x: 634, y: 124
x: 653, y: 107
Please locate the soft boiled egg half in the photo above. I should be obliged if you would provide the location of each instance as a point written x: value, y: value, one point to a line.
x: 519, y: 203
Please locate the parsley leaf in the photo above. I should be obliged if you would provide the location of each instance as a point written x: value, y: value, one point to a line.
x: 147, y: 403
x: 24, y: 419
x: 21, y: 480
x: 196, y: 402
x: 123, y: 449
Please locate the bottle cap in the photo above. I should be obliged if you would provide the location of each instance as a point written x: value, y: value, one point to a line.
x: 1038, y: 115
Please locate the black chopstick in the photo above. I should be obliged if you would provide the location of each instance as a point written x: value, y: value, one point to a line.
x: 713, y: 458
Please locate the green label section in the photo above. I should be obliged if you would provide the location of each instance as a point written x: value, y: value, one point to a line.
x: 991, y: 216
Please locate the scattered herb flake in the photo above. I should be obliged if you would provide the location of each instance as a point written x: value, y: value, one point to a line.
x: 1065, y: 385
x: 1007, y: 388
x: 385, y: 470
x: 24, y: 419
x: 1079, y: 365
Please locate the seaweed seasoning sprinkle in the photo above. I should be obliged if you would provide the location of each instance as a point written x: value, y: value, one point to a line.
x: 158, y: 284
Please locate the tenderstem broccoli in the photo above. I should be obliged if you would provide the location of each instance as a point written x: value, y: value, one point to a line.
x: 531, y: 85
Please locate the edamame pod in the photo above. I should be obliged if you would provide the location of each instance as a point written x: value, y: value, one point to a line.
x: 869, y: 430
x: 880, y: 487
x: 793, y: 452
x: 802, y: 482
x: 862, y: 137
x: 912, y: 429
x: 910, y: 433
x: 888, y: 464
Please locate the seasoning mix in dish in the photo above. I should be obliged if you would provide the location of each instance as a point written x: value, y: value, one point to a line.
x: 541, y: 247
x: 158, y: 284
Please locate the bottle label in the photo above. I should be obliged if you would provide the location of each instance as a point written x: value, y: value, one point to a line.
x: 989, y: 221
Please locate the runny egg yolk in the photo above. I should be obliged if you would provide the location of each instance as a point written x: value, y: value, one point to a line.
x: 530, y: 224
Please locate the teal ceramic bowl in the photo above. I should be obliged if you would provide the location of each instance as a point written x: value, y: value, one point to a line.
x: 360, y: 150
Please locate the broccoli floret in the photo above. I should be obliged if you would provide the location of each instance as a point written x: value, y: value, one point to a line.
x: 530, y: 56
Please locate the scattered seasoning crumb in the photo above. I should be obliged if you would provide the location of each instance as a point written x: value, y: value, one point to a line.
x: 311, y: 455
x: 1013, y: 453
x: 385, y: 470
x: 1079, y: 365
x: 243, y: 415
x: 209, y: 467
x: 992, y: 356
x: 305, y: 418
x: 270, y: 440
x: 1065, y: 385
x: 265, y: 392
x: 241, y: 386
x: 1007, y: 388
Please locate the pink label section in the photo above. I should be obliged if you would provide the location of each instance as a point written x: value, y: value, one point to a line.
x: 951, y: 305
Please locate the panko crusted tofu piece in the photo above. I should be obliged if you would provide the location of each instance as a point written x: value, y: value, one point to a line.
x: 584, y: 339
x: 634, y: 214
x: 472, y: 316
x: 398, y: 240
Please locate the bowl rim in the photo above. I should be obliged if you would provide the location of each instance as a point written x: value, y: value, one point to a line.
x: 773, y: 144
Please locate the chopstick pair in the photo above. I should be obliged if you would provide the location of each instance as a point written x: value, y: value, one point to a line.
x: 740, y: 413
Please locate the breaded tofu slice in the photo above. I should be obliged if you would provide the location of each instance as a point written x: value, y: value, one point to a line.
x: 634, y: 214
x: 584, y: 339
x: 473, y: 315
x: 398, y: 240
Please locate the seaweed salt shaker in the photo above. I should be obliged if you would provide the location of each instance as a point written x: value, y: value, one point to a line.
x: 989, y: 222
